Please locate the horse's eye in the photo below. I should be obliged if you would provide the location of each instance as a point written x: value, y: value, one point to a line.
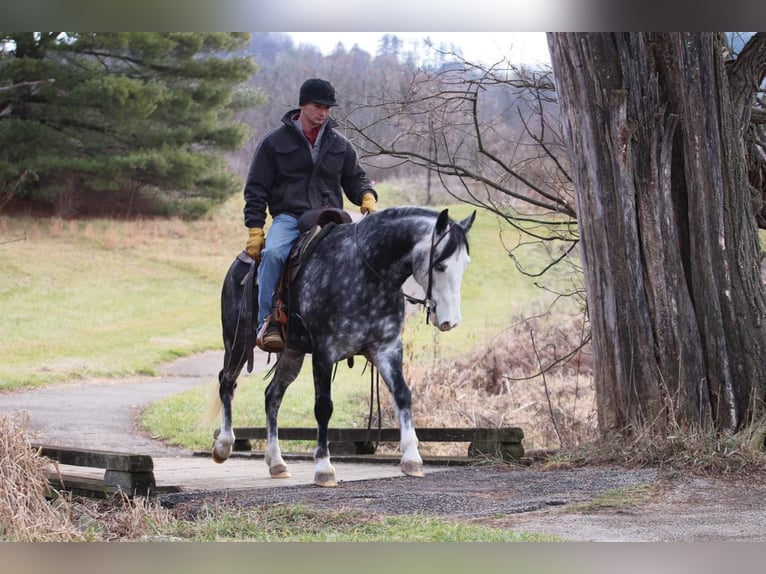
x: 440, y: 267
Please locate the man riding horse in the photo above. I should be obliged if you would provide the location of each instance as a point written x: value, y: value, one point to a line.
x: 300, y: 166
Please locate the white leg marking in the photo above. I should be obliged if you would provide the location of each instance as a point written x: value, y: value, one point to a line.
x: 412, y: 463
x: 324, y: 473
x: 223, y: 445
x: 273, y: 457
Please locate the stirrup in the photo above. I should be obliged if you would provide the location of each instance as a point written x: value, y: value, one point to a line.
x: 270, y: 338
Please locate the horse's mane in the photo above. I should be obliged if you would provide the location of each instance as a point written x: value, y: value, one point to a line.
x: 455, y: 239
x: 408, y: 211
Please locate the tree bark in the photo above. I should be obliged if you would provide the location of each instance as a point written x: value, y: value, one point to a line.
x: 668, y: 235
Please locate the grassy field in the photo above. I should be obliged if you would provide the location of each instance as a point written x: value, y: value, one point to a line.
x: 108, y: 298
x: 102, y: 298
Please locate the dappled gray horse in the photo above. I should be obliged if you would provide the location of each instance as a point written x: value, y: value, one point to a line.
x: 350, y: 302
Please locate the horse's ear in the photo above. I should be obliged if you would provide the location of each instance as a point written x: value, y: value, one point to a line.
x: 442, y: 222
x: 467, y: 222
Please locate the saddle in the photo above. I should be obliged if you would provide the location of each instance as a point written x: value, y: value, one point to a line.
x: 314, y: 226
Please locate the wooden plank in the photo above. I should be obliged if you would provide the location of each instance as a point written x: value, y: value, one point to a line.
x: 432, y: 434
x: 130, y: 482
x: 121, y: 462
x: 87, y: 486
x: 79, y: 483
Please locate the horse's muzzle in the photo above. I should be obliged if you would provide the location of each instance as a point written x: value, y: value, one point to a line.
x: 446, y: 326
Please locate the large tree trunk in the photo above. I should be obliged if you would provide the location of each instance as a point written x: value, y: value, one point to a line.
x: 668, y: 235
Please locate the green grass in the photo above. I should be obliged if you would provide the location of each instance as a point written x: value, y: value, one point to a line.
x: 624, y: 497
x: 95, y: 314
x: 104, y: 298
x: 296, y: 523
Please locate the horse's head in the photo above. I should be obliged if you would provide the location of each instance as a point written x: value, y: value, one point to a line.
x: 442, y: 259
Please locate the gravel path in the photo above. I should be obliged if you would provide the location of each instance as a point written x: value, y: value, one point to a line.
x: 577, y: 505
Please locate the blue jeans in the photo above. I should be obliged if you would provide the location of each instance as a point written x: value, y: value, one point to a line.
x: 282, y: 234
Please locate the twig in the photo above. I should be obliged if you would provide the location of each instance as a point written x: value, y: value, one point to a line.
x: 545, y: 386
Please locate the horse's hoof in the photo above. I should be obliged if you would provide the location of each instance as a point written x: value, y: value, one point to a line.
x: 279, y: 471
x: 326, y: 479
x: 411, y: 468
x: 220, y: 459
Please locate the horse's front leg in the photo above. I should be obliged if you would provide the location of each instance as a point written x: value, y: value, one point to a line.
x: 324, y: 473
x: 411, y: 463
x: 224, y: 442
x: 389, y: 363
x: 287, y: 369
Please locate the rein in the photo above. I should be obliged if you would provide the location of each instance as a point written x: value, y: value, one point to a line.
x: 374, y: 388
x: 428, y: 303
x: 245, y: 314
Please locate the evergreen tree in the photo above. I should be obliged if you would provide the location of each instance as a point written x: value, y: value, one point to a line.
x: 121, y: 114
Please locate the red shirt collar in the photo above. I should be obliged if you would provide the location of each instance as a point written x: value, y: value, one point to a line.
x: 312, y: 135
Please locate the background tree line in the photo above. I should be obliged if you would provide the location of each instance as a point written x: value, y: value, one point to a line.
x: 145, y: 114
x: 120, y: 123
x: 139, y: 123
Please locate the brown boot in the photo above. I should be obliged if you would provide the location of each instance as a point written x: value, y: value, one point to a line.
x: 269, y: 337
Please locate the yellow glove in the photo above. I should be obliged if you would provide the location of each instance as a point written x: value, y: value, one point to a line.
x: 255, y: 243
x: 369, y: 205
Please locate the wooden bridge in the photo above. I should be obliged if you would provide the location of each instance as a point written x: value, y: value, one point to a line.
x: 502, y: 443
x: 104, y: 473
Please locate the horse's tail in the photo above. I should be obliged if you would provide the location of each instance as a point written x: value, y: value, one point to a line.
x: 212, y: 412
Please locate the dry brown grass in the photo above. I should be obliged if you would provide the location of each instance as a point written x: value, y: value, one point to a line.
x: 160, y: 237
x: 25, y: 512
x: 30, y: 511
x: 499, y: 383
x: 123, y: 518
x: 684, y: 451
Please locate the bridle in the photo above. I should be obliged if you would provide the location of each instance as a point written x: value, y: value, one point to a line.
x: 428, y: 303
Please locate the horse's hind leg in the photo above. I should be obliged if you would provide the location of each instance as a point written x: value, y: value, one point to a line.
x: 227, y: 382
x: 324, y: 473
x: 389, y: 363
x: 287, y: 369
x: 236, y: 318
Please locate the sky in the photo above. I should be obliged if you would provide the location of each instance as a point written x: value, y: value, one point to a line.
x: 481, y: 47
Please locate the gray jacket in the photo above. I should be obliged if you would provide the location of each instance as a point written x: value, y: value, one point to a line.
x: 284, y: 177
